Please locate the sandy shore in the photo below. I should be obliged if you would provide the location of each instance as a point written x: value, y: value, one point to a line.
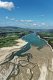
x: 44, y: 59
x: 42, y: 55
x: 7, y: 51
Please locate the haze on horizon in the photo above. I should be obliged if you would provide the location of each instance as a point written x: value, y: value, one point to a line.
x: 27, y: 13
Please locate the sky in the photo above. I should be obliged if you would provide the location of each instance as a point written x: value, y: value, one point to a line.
x: 27, y: 13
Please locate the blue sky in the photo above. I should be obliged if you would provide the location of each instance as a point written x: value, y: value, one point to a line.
x: 26, y: 13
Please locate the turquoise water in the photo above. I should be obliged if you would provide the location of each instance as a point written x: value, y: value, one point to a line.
x: 32, y: 39
x: 24, y: 49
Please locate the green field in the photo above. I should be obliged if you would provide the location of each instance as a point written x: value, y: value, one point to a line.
x: 8, y: 39
x: 45, y: 34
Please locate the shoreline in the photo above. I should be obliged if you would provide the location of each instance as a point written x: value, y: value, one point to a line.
x: 38, y: 65
x: 6, y: 52
x: 46, y: 42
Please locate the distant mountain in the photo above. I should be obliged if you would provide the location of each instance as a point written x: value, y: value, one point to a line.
x: 12, y: 29
x: 43, y: 30
x: 50, y: 30
x: 15, y: 29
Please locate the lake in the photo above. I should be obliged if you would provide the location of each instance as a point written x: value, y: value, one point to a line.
x: 32, y: 39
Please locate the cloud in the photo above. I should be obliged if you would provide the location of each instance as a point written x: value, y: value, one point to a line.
x: 34, y: 24
x: 6, y: 5
x: 40, y: 24
x: 43, y: 23
x: 7, y: 17
x: 24, y: 20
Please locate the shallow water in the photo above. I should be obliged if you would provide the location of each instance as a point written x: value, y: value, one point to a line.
x: 32, y: 39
